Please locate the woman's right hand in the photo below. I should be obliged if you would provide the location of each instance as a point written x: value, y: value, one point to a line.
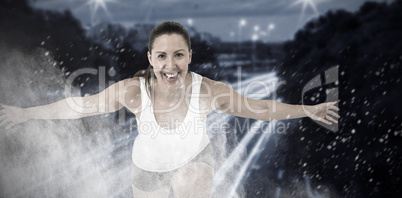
x: 11, y: 115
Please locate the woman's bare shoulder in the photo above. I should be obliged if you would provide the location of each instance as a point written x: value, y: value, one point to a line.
x: 208, y: 81
x: 134, y: 78
x: 206, y: 85
x: 129, y: 85
x: 130, y: 93
x: 211, y: 86
x: 131, y: 81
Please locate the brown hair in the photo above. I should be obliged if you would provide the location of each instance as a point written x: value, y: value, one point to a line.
x: 167, y: 27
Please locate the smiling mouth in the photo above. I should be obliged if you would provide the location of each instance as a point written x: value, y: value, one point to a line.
x: 171, y: 75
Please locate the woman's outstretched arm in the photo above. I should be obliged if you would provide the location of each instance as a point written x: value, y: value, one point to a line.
x: 226, y: 99
x: 110, y: 100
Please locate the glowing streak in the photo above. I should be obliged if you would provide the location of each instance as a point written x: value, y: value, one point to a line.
x: 234, y: 157
x: 252, y: 157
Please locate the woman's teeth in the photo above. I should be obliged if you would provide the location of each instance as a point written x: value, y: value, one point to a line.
x: 171, y: 75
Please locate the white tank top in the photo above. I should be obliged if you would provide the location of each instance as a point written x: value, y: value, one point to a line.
x: 158, y: 149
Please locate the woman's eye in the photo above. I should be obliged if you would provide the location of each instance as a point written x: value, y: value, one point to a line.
x: 179, y: 54
x: 161, y: 56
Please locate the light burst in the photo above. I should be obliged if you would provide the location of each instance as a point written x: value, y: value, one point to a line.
x: 307, y: 3
x: 94, y: 6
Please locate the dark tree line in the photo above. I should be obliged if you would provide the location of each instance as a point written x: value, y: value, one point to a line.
x: 73, y: 47
x: 363, y: 158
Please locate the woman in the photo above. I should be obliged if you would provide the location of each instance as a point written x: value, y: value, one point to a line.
x: 172, y: 150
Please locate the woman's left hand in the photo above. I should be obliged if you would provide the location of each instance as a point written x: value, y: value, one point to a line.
x: 322, y: 112
x: 11, y: 115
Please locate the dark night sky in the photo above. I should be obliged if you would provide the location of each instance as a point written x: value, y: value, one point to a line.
x: 221, y: 18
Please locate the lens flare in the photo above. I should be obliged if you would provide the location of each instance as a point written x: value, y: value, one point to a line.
x: 307, y: 3
x: 95, y: 5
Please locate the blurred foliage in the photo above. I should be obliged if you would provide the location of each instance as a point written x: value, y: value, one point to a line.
x: 365, y: 152
x: 73, y: 47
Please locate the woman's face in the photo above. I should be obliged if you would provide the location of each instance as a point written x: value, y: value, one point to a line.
x: 170, y: 57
